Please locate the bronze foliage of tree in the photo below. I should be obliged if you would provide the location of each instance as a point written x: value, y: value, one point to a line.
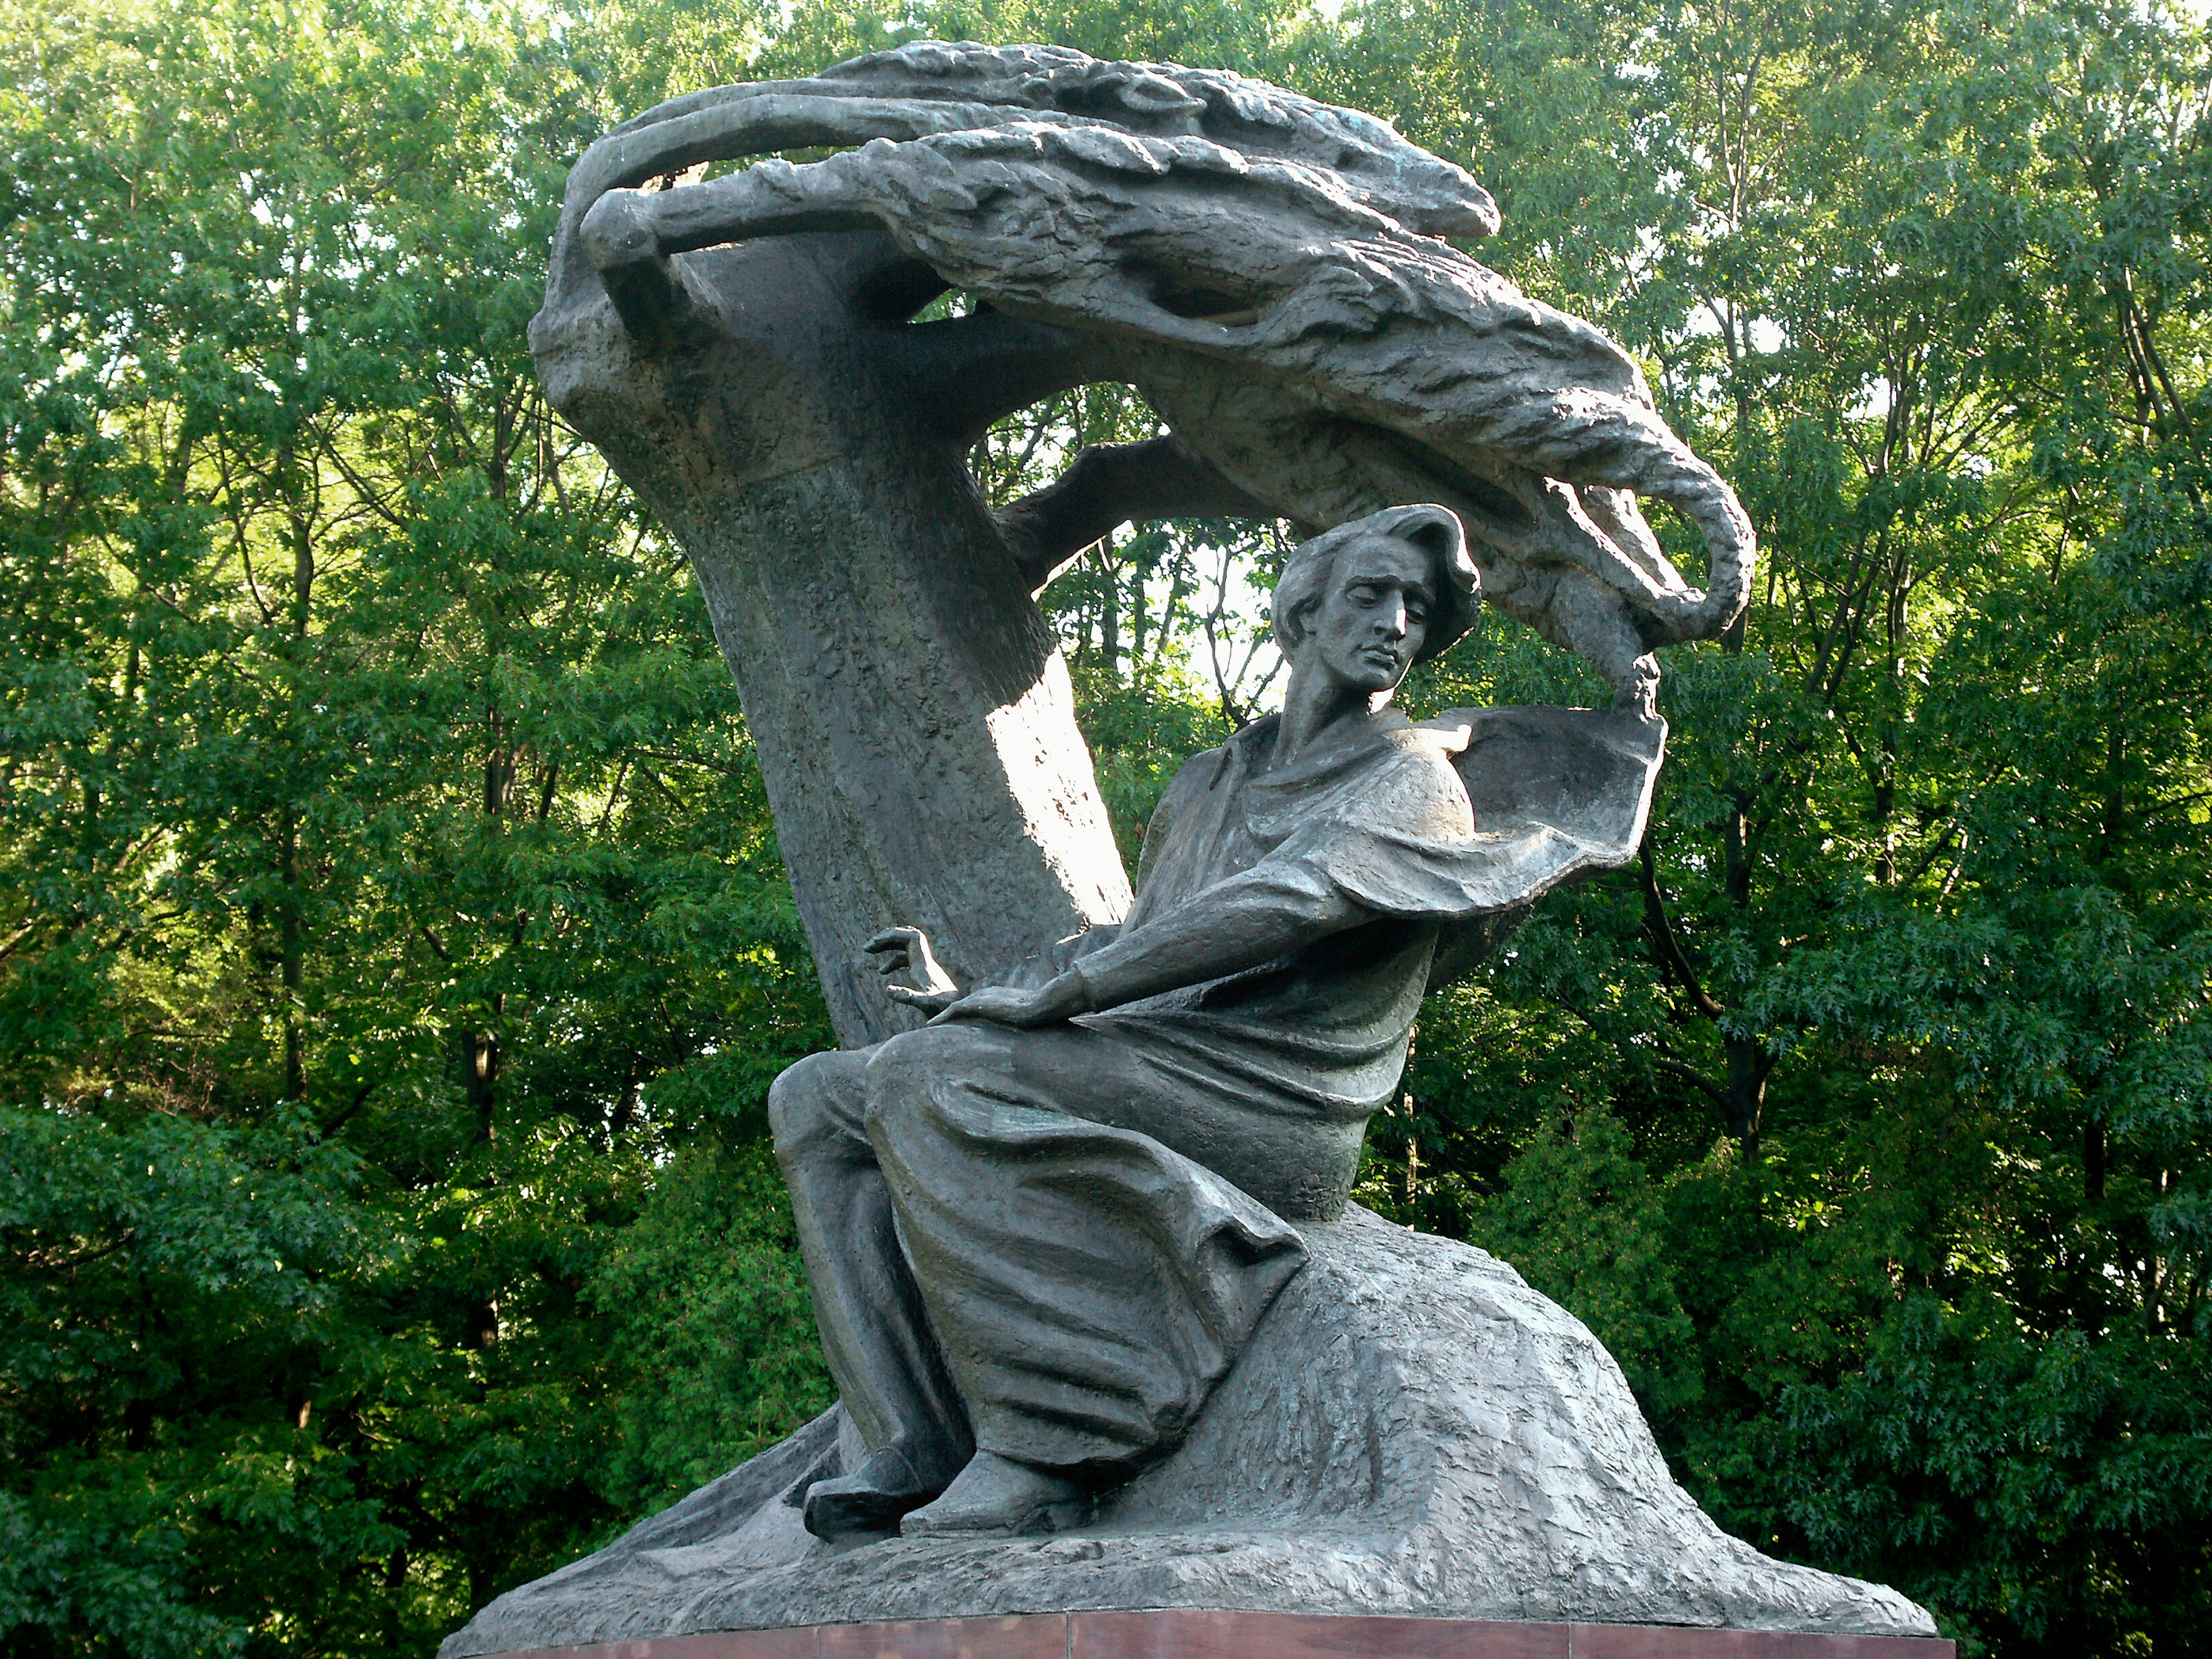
x: 394, y: 938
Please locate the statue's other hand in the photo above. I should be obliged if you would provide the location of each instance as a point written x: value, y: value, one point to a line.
x: 930, y: 1002
x: 904, y: 950
x: 1009, y: 1004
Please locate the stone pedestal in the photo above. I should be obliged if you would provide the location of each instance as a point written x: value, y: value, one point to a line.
x: 1188, y: 1634
x: 1417, y: 1452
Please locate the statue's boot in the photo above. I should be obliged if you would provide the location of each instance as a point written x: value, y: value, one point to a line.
x: 994, y: 1494
x: 889, y: 1482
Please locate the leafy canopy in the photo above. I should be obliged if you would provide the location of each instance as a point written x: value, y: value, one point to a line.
x: 394, y: 951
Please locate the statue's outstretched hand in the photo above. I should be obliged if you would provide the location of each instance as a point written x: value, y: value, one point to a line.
x: 1010, y: 1004
x: 903, y: 949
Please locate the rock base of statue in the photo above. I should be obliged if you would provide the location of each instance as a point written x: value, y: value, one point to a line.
x: 1412, y: 1433
x: 1171, y: 1634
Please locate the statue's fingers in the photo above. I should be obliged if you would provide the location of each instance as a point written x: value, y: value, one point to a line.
x: 893, y: 939
x: 976, y: 1005
x: 730, y: 122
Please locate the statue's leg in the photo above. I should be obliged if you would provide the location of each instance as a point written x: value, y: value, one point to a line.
x: 875, y: 1332
x: 1089, y: 1284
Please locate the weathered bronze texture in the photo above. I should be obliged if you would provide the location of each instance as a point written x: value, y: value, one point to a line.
x: 1072, y: 1194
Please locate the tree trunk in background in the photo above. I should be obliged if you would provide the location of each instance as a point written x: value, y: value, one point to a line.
x: 741, y: 350
x: 806, y: 445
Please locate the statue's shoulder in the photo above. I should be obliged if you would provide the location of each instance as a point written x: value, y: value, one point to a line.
x: 1193, y: 778
x: 1418, y: 785
x: 1210, y: 767
x: 1200, y: 769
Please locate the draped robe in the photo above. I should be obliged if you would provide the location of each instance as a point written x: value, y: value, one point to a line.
x: 1059, y: 1239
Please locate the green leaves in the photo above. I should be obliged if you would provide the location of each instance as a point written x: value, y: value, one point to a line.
x: 1925, y: 919
x: 723, y: 1336
x: 387, y: 889
x: 2039, y: 1488
x: 394, y: 953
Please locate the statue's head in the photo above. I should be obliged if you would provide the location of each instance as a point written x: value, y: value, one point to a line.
x: 1366, y: 601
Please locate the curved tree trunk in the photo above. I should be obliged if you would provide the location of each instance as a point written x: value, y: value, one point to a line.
x: 1265, y: 269
x: 807, y: 446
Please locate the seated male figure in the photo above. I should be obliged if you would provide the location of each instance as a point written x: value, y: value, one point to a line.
x: 1041, y: 1229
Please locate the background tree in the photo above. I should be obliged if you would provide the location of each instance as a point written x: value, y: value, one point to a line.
x: 392, y: 913
x: 396, y: 950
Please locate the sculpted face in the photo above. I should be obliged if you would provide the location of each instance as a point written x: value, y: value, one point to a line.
x: 1373, y: 614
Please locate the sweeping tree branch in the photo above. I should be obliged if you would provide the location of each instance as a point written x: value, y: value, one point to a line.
x: 1285, y: 306
x: 969, y: 373
x: 1109, y: 485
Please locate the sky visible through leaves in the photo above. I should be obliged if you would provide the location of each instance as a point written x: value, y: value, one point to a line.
x: 395, y: 952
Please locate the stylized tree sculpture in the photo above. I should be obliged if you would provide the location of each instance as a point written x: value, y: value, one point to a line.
x: 1266, y: 272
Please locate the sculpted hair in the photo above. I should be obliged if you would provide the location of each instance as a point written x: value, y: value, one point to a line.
x: 1432, y: 529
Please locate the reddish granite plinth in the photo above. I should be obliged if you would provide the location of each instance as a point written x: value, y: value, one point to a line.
x: 1295, y: 1636
x: 1185, y: 1635
x: 1030, y: 1637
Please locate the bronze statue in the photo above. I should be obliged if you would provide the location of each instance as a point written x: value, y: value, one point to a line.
x: 1062, y: 1204
x: 1081, y: 1251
